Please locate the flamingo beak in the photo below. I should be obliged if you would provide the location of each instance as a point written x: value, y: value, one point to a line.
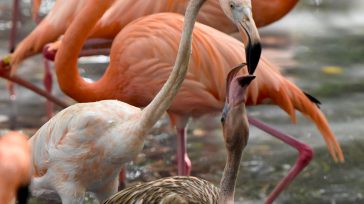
x: 248, y: 29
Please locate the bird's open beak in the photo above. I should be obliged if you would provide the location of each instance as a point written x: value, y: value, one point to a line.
x: 249, y: 32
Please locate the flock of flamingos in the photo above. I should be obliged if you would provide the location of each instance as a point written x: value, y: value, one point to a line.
x: 160, y: 61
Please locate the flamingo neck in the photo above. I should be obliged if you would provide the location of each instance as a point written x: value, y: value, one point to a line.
x: 69, y: 78
x: 236, y: 134
x: 228, y: 181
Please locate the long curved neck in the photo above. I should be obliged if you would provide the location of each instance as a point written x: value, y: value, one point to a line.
x: 235, y: 142
x: 228, y: 181
x: 164, y: 98
x: 69, y: 78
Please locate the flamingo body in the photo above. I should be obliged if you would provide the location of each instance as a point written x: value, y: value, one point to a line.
x: 71, y: 147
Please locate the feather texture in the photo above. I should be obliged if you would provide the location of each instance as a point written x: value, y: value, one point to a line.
x: 178, y: 190
x: 202, y: 92
x: 125, y: 11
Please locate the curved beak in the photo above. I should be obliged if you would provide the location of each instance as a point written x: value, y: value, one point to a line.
x: 251, y: 38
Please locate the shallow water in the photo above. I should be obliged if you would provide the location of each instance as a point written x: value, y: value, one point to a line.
x: 319, y: 47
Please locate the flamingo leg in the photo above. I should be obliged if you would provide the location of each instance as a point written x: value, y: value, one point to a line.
x: 304, y: 158
x: 14, y: 27
x: 183, y: 161
x: 13, y: 106
x: 48, y: 82
x: 12, y: 41
x: 122, y: 178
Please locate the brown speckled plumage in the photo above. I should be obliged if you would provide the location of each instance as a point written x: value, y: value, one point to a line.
x: 176, y: 190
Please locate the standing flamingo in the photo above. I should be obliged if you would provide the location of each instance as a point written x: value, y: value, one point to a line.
x: 15, y: 166
x: 179, y: 189
x: 83, y: 147
x: 124, y: 11
x: 137, y: 81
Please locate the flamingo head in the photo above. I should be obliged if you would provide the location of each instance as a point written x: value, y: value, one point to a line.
x: 240, y: 13
x: 234, y: 117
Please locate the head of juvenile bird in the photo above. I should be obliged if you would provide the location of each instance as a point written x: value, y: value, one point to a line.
x: 234, y: 117
x: 240, y: 12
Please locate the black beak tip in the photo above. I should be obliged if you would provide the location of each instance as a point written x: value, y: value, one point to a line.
x: 245, y: 80
x: 253, y: 52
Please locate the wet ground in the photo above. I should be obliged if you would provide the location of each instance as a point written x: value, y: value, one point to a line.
x: 319, y: 45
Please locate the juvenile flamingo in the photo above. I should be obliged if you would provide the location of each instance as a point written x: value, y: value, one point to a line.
x: 83, y: 147
x: 183, y: 189
x: 15, y: 168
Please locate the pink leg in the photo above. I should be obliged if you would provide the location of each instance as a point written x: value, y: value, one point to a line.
x: 11, y: 89
x: 14, y: 20
x: 304, y: 158
x: 183, y: 162
x: 12, y: 41
x: 122, y: 178
x: 47, y: 81
x: 13, y: 113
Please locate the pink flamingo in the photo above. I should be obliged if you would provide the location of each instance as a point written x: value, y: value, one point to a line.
x: 15, y: 168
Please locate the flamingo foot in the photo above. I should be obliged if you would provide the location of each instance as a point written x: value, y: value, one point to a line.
x: 304, y: 158
x: 188, y: 164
